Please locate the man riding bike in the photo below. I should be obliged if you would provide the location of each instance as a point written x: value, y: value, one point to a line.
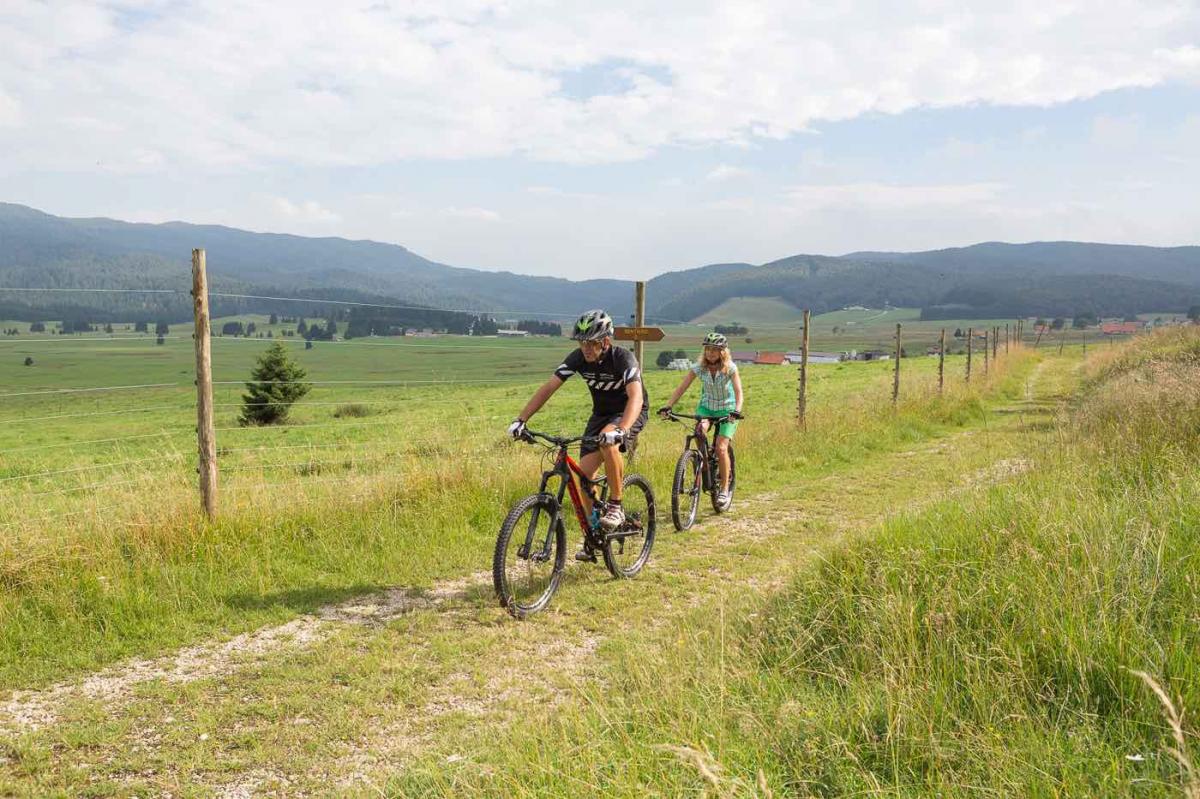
x: 620, y: 408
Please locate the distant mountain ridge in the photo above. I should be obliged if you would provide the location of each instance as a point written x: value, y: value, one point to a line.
x: 1174, y: 264
x: 42, y: 250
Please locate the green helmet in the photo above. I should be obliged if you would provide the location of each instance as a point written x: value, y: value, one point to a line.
x: 716, y: 340
x: 593, y: 326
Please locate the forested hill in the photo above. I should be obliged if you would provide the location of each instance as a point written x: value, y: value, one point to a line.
x: 1172, y: 264
x: 38, y: 249
x: 984, y: 280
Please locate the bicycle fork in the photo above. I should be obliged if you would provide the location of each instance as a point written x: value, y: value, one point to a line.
x: 542, y: 552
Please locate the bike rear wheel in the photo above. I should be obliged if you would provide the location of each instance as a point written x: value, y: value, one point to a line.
x: 732, y: 483
x: 627, y: 548
x: 685, y: 491
x: 530, y: 555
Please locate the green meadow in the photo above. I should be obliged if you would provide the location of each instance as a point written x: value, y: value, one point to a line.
x: 978, y: 591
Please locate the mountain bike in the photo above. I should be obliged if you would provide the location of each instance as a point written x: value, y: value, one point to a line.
x: 697, y: 470
x: 531, y: 550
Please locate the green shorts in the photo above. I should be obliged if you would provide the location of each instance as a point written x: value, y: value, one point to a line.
x: 727, y: 429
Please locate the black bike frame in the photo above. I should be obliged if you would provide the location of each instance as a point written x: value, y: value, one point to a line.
x: 708, y: 471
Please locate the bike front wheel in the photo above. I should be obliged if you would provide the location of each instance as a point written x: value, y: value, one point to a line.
x: 685, y: 491
x: 530, y: 555
x: 627, y: 548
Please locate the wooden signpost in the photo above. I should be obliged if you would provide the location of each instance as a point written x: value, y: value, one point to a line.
x: 638, y: 333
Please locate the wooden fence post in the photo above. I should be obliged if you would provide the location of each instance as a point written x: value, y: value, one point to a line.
x: 205, y: 433
x: 995, y: 341
x: 803, y: 400
x: 896, y: 374
x: 970, y: 350
x: 1007, y: 337
x: 942, y: 363
x: 986, y: 349
x: 639, y: 318
x: 1062, y: 342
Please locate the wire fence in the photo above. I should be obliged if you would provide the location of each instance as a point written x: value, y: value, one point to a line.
x: 344, y: 451
x: 248, y: 469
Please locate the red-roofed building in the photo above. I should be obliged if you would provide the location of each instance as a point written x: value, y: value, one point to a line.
x: 1120, y: 328
x: 771, y: 358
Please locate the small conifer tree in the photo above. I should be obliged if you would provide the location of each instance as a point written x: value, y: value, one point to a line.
x: 276, y: 383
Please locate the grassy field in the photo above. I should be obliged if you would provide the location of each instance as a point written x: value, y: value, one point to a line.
x: 1034, y: 637
x: 76, y: 469
x: 752, y: 310
x: 149, y: 577
x: 944, y: 598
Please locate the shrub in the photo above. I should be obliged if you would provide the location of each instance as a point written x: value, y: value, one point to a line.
x: 276, y: 383
x: 353, y: 410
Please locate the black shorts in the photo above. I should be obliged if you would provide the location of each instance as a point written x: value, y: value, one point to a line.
x: 600, y: 421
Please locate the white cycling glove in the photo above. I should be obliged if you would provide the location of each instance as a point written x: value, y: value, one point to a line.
x: 612, y: 437
x: 517, y: 429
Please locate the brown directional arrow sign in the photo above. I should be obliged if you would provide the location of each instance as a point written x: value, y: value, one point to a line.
x: 638, y: 333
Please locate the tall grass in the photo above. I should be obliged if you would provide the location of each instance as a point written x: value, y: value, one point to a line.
x: 1037, y: 639
x: 136, y: 570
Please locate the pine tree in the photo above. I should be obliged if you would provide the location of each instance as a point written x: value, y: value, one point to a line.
x: 302, y: 328
x: 277, y: 382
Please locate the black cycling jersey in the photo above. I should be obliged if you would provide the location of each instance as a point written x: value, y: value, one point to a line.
x: 606, y: 378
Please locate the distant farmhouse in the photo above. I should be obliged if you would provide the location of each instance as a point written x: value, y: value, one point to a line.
x: 771, y: 358
x: 816, y: 357
x: 1121, y: 328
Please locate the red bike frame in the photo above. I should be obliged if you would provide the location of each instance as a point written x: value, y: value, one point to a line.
x: 566, y: 460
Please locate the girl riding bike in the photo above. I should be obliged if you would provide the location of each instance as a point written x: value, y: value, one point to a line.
x: 721, y: 395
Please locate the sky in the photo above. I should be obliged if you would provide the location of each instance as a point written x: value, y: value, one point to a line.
x: 584, y: 139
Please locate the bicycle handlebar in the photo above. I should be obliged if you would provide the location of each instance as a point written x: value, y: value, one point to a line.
x: 673, y: 416
x: 559, y: 441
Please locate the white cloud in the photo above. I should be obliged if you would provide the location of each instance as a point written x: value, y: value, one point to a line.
x: 1034, y: 134
x: 958, y: 149
x: 306, y: 211
x: 551, y: 191
x: 724, y: 172
x: 292, y: 83
x: 1116, y: 131
x: 476, y: 214
x: 888, y: 197
x: 10, y: 111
